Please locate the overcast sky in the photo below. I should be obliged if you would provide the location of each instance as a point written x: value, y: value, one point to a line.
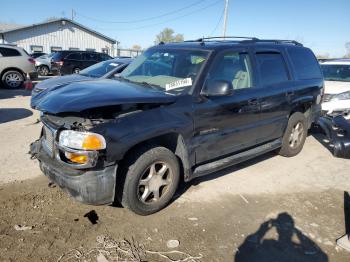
x: 322, y: 25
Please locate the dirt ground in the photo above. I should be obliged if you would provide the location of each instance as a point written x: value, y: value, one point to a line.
x: 268, y: 209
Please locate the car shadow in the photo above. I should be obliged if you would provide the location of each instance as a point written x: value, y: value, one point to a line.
x: 7, y: 93
x: 290, y: 243
x: 11, y: 114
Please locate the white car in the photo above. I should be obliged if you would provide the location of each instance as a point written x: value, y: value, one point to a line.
x: 336, y: 100
x: 15, y: 64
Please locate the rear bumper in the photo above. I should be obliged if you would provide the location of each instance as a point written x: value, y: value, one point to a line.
x: 94, y: 186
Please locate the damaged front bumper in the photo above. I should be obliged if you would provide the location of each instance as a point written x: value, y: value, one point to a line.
x: 337, y: 130
x: 92, y: 186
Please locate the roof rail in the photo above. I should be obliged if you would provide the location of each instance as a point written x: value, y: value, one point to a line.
x: 247, y: 39
x: 221, y: 37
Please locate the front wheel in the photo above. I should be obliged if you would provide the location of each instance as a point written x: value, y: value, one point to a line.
x: 294, y: 136
x: 12, y: 79
x: 151, y: 180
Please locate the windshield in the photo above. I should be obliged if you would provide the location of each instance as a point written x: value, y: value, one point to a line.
x: 167, y: 70
x: 336, y: 72
x: 100, y: 69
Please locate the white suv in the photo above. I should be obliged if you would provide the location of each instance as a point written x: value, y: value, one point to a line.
x: 336, y: 99
x: 15, y: 64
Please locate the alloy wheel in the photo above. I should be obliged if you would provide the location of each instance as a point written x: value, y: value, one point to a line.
x: 13, y: 79
x: 296, y: 135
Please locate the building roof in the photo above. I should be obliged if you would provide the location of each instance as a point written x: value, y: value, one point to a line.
x: 55, y: 21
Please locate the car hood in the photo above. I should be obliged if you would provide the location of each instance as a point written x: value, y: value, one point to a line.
x: 61, y: 80
x: 80, y: 96
x: 336, y: 87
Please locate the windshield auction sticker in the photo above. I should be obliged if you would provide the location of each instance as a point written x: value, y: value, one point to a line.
x: 179, y: 83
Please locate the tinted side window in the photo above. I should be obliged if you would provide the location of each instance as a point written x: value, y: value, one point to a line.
x: 90, y: 56
x: 304, y: 63
x: 104, y: 57
x: 74, y: 56
x: 272, y: 68
x: 6, y: 52
x: 233, y: 67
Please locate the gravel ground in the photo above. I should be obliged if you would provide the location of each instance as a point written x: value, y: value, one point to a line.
x: 267, y: 209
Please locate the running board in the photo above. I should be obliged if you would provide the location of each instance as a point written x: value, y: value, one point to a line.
x: 235, y: 159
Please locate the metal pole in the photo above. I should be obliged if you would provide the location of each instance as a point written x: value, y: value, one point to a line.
x: 225, y: 18
x: 72, y: 14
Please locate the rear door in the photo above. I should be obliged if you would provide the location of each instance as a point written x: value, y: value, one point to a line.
x: 72, y: 61
x: 274, y: 90
x: 226, y: 124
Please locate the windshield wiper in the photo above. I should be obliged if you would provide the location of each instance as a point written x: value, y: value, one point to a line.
x: 153, y: 86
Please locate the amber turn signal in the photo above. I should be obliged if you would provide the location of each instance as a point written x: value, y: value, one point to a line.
x: 77, y: 158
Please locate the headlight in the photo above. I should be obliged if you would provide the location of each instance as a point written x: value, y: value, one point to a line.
x: 82, y: 140
x: 341, y: 96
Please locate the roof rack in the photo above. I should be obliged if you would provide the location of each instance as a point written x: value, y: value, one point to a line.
x: 247, y: 39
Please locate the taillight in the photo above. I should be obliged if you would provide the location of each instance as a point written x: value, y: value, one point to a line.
x: 60, y: 63
x: 31, y: 60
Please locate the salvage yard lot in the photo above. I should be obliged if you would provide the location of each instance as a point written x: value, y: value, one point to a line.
x: 214, y: 218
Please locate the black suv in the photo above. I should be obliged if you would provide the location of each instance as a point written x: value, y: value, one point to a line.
x: 71, y: 62
x: 178, y: 110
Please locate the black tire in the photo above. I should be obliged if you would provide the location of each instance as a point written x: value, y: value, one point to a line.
x: 76, y: 70
x: 12, y: 79
x: 138, y: 169
x: 293, y: 142
x: 43, y: 70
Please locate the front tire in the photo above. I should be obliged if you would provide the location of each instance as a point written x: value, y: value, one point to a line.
x: 151, y: 177
x: 294, y: 136
x: 12, y: 79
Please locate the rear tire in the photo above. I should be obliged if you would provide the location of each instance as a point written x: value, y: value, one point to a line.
x: 76, y: 70
x: 12, y: 79
x: 295, y: 135
x: 43, y: 70
x: 151, y: 177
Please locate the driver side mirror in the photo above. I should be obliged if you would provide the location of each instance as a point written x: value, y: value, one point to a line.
x: 217, y: 88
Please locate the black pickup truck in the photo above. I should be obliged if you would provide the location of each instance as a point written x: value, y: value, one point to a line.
x: 180, y: 110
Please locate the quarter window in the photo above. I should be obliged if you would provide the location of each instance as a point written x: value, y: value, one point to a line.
x: 74, y: 56
x: 272, y: 68
x: 304, y: 63
x: 233, y: 67
x: 6, y: 52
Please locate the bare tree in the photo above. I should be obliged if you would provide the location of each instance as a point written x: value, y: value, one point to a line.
x: 167, y: 35
x: 136, y: 47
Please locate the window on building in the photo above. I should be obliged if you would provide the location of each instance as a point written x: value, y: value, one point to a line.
x: 74, y: 49
x: 55, y: 49
x: 36, y: 48
x: 233, y: 67
x: 272, y: 68
x: 6, y: 52
x: 105, y: 50
x: 91, y: 49
x: 304, y: 63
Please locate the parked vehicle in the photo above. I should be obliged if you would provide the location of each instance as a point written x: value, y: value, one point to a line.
x: 43, y: 64
x: 179, y: 109
x: 37, y: 54
x: 15, y: 64
x: 71, y: 62
x: 336, y: 100
x: 105, y: 69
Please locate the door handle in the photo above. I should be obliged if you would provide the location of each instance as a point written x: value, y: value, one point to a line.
x: 253, y: 101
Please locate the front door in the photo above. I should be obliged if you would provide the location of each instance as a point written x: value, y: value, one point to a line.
x: 226, y: 124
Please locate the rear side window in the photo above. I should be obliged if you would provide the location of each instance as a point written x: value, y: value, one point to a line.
x: 90, y: 56
x: 74, y: 56
x: 272, y: 68
x: 7, y: 52
x: 304, y: 63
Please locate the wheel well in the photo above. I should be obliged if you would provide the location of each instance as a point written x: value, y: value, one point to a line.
x: 172, y: 141
x: 11, y: 68
x: 302, y: 108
